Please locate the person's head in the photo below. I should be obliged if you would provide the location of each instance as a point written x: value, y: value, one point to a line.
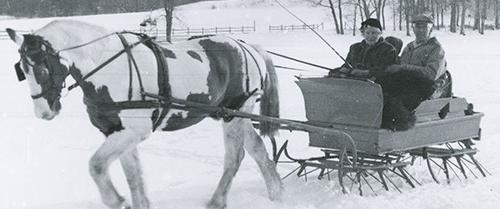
x: 422, y: 27
x: 371, y: 29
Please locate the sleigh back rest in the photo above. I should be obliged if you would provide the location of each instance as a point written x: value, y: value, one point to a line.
x: 342, y: 101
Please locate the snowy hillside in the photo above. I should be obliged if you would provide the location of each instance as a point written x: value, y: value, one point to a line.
x: 44, y: 164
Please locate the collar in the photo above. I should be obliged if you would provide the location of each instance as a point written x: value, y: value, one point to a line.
x: 428, y: 41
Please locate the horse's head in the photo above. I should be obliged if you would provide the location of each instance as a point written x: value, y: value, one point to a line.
x: 41, y: 66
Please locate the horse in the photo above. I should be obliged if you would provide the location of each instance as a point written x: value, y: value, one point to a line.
x: 131, y: 84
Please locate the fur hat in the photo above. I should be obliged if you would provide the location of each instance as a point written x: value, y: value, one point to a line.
x: 371, y: 22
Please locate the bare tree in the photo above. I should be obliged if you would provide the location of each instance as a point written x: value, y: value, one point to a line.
x: 168, y: 5
x: 442, y: 13
x: 483, y: 7
x: 420, y: 6
x: 361, y: 11
x: 366, y: 8
x: 400, y: 15
x: 407, y: 16
x: 332, y: 9
x: 339, y: 25
x: 437, y: 7
x: 462, y: 21
x: 458, y: 12
x: 394, y: 12
x: 341, y: 22
x: 477, y: 14
x: 354, y: 20
x: 453, y: 19
x: 497, y: 18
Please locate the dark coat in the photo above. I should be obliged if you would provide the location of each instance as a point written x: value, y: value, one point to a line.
x: 403, y: 91
x: 373, y: 58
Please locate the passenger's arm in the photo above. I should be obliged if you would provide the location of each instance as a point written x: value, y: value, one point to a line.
x: 350, y: 56
x: 434, y: 66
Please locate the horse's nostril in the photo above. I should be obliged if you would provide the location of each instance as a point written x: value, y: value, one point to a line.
x: 47, y: 116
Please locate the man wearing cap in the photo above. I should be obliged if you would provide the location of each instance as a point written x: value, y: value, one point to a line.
x: 424, y: 54
x: 370, y: 57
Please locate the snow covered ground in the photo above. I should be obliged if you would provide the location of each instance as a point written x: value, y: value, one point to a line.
x: 44, y: 164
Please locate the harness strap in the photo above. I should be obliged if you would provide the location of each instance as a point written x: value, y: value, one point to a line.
x: 245, y: 49
x: 131, y: 60
x: 95, y: 70
x: 124, y: 42
x: 87, y: 43
x: 125, y: 105
x: 247, y: 80
x: 164, y: 89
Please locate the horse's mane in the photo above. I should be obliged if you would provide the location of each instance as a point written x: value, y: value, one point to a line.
x: 64, y: 33
x: 68, y: 33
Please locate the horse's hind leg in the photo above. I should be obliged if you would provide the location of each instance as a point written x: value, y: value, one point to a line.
x: 255, y: 147
x: 132, y: 168
x: 115, y: 145
x: 233, y: 142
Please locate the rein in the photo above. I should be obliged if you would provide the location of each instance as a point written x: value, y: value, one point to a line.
x: 300, y: 61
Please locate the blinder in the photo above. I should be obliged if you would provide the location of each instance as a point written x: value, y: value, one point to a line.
x: 19, y: 72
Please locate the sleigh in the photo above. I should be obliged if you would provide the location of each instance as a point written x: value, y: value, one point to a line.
x: 443, y: 132
x: 355, y: 107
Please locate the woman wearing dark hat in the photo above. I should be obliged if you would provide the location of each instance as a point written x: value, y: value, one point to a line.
x: 370, y: 57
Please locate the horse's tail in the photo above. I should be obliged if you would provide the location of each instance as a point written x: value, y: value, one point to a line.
x: 269, y: 102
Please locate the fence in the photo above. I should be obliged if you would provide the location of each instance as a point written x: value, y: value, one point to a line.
x: 183, y: 33
x: 295, y: 27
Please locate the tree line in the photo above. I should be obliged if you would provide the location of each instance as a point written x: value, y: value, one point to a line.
x: 446, y: 13
x: 55, y: 8
x: 451, y: 14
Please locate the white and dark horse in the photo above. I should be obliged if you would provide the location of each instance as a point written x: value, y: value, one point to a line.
x: 118, y: 73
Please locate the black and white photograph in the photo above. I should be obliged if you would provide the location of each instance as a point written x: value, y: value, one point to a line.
x: 249, y: 104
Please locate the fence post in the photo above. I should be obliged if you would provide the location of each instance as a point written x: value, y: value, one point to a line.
x: 215, y: 29
x: 254, y: 26
x: 229, y: 29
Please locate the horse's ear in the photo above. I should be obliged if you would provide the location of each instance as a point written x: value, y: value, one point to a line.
x: 15, y: 37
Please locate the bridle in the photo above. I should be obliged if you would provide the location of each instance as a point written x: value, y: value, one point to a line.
x: 45, y: 54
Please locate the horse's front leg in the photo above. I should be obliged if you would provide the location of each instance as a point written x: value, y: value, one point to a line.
x: 132, y: 168
x: 115, y: 145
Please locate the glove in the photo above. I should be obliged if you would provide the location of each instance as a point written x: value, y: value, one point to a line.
x: 345, y: 70
x: 360, y: 73
x: 393, y: 68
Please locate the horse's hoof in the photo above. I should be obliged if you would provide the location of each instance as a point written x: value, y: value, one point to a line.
x: 215, y: 205
x: 275, y: 196
x: 125, y: 205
